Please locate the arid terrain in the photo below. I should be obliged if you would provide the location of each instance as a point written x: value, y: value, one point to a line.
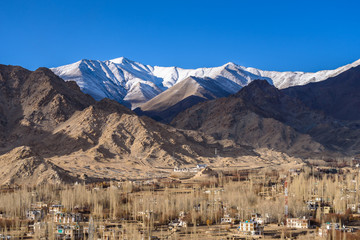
x: 260, y: 163
x: 52, y: 132
x: 179, y: 120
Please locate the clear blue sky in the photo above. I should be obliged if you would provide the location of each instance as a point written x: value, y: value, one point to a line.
x: 271, y: 35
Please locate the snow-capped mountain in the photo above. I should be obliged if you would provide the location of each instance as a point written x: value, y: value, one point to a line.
x: 133, y: 83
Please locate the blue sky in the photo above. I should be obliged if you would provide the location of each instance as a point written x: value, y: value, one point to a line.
x: 270, y: 35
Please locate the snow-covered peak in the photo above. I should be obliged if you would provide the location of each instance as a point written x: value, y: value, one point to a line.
x: 122, y: 60
x: 231, y: 64
x: 134, y: 83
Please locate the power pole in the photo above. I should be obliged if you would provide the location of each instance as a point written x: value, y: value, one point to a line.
x: 286, y: 200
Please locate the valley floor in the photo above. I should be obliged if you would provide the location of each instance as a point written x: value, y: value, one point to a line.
x: 211, y: 203
x: 82, y: 166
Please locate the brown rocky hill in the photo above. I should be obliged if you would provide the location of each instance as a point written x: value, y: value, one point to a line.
x: 33, y: 103
x: 260, y: 115
x: 51, y: 130
x: 22, y: 166
x: 338, y: 96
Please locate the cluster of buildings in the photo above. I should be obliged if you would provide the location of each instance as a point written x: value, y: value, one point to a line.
x: 253, y: 226
x: 193, y: 169
x: 55, y: 220
x: 327, y: 228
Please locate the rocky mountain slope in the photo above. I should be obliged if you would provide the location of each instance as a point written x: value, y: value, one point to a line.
x: 165, y: 106
x: 260, y: 115
x: 22, y: 166
x: 338, y: 97
x: 133, y: 84
x: 52, y: 132
x: 51, y: 129
x: 33, y: 103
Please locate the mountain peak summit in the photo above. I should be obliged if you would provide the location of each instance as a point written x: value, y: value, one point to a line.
x: 120, y: 60
x: 232, y: 64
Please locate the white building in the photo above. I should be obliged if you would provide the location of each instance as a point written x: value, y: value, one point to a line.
x: 259, y: 219
x: 64, y: 218
x: 56, y: 208
x: 250, y: 227
x: 34, y: 215
x: 177, y: 169
x: 201, y: 166
x: 297, y: 222
x: 227, y: 220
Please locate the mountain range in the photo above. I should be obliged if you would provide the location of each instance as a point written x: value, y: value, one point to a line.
x: 306, y: 121
x: 53, y: 130
x: 144, y: 87
x: 321, y: 103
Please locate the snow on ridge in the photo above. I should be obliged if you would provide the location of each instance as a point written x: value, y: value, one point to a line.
x: 134, y: 83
